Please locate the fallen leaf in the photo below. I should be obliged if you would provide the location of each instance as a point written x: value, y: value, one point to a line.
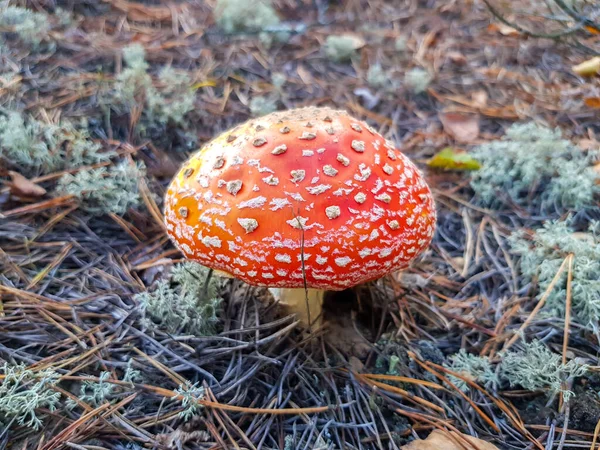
x: 449, y: 440
x: 480, y: 98
x: 453, y: 159
x: 503, y: 29
x: 588, y: 68
x: 457, y: 58
x: 588, y: 144
x: 593, y: 102
x: 22, y: 187
x: 462, y: 127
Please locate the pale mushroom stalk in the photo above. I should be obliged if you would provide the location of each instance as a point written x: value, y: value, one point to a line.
x: 307, y: 304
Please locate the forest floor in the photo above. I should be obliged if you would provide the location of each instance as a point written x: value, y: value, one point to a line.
x: 85, y: 363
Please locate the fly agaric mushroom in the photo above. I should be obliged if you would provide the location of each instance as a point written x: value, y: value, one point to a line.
x: 306, y: 198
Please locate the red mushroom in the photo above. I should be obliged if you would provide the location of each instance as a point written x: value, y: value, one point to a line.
x: 309, y: 197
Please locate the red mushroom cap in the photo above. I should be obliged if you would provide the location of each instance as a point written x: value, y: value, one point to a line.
x: 310, y: 186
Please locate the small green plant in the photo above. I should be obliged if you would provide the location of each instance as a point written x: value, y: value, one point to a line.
x: 23, y: 392
x: 102, y: 191
x: 473, y: 367
x: 185, y: 303
x: 542, y: 256
x: 417, y: 80
x: 190, y: 394
x: 31, y: 27
x: 37, y: 148
x: 532, y: 163
x: 537, y: 368
x: 341, y: 48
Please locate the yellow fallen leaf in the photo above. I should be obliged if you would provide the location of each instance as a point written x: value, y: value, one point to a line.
x: 449, y: 440
x: 206, y: 83
x: 453, y: 159
x: 588, y: 68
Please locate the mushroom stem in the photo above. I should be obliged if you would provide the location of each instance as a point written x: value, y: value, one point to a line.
x: 307, y: 304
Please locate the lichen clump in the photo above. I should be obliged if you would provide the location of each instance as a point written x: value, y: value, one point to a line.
x: 104, y: 190
x: 31, y: 27
x: 341, y: 48
x: 537, y: 368
x: 169, y: 101
x: 240, y: 15
x: 35, y: 148
x: 534, y: 368
x: 187, y: 302
x: 23, y: 392
x: 472, y: 367
x: 545, y: 252
x: 417, y: 80
x: 534, y: 164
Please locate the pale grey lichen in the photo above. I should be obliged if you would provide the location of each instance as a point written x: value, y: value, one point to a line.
x: 340, y: 48
x: 94, y: 393
x: 535, y: 368
x: 476, y: 368
x: 102, y: 191
x: 31, y: 27
x: 262, y: 105
x: 37, y: 148
x: 188, y: 396
x: 187, y: 302
x: 169, y: 101
x: 241, y: 16
x: 377, y: 77
x: 542, y: 256
x: 417, y: 80
x: 23, y: 392
x: 534, y: 164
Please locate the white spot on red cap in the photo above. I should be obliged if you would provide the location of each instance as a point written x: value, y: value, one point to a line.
x: 256, y: 202
x: 248, y: 224
x: 333, y: 212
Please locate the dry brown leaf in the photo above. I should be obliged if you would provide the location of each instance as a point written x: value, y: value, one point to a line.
x: 22, y: 187
x: 503, y: 29
x: 593, y: 102
x: 480, y: 98
x: 462, y: 127
x: 457, y: 58
x: 588, y: 68
x: 447, y: 440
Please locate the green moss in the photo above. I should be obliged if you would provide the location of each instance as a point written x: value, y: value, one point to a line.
x: 533, y: 164
x: 183, y: 304
x: 102, y: 191
x: 542, y: 256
